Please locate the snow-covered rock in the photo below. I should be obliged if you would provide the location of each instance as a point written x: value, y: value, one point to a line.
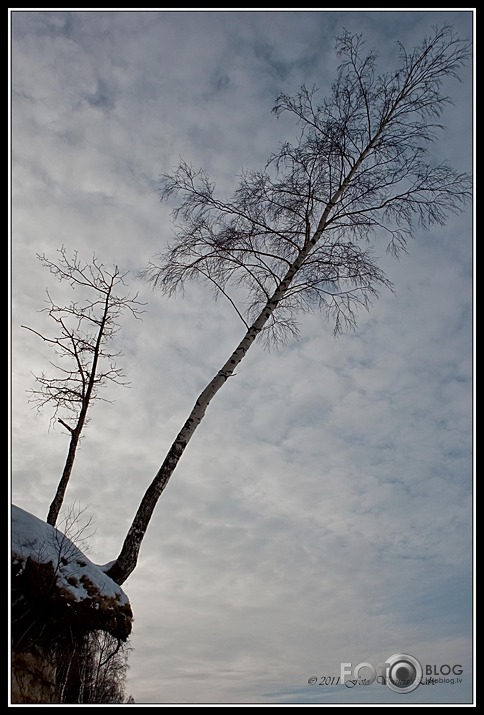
x: 50, y: 572
x: 58, y: 598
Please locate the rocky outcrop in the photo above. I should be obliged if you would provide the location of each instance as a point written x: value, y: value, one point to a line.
x: 58, y: 597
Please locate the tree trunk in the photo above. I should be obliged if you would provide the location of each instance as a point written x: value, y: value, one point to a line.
x: 58, y: 499
x: 128, y: 557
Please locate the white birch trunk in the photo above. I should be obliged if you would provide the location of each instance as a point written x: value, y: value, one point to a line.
x: 128, y: 557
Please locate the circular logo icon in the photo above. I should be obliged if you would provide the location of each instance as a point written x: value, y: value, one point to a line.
x: 404, y: 673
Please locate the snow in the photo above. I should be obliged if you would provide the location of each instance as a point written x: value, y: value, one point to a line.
x: 35, y: 539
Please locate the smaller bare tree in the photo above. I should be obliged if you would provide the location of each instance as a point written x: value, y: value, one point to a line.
x: 84, y: 363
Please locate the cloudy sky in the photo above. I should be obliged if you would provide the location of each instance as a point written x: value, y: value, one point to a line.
x: 323, y: 511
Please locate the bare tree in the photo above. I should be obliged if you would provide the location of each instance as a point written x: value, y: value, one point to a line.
x: 299, y: 235
x: 92, y: 668
x: 84, y: 364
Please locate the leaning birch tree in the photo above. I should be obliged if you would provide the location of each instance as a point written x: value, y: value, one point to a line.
x: 83, y: 364
x: 299, y: 235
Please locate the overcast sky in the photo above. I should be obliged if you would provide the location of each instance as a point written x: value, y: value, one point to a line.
x: 323, y: 511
